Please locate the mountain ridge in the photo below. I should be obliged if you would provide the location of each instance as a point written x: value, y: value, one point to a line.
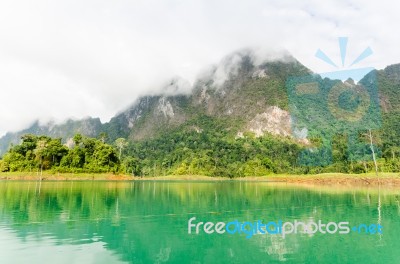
x: 248, y: 92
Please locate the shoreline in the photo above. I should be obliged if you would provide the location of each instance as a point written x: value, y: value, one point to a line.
x: 369, y: 179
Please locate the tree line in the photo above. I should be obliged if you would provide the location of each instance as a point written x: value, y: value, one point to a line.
x: 212, y: 150
x: 81, y: 154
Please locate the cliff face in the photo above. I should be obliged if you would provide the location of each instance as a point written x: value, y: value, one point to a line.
x: 247, y: 92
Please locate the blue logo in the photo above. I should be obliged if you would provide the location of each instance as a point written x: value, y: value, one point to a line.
x: 338, y: 102
x: 249, y: 229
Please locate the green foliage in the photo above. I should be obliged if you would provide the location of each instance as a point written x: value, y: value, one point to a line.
x: 202, y: 146
x: 131, y: 165
x: 43, y: 152
x: 205, y: 147
x: 33, y: 152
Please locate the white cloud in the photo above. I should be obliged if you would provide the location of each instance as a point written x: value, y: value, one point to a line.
x: 77, y: 58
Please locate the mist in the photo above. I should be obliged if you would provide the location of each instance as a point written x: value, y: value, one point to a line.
x: 94, y: 58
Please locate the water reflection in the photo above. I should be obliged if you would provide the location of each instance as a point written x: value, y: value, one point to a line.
x: 46, y: 249
x: 146, y: 222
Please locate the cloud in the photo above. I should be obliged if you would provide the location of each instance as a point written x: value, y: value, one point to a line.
x: 79, y: 58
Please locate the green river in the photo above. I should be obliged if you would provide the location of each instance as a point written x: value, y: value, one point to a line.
x: 147, y: 222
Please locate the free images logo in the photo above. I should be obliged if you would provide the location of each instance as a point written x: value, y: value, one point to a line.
x: 249, y: 229
x: 339, y: 102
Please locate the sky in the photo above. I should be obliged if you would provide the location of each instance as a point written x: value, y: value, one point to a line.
x: 74, y: 58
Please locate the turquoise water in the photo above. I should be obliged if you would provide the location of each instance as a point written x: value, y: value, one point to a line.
x: 147, y: 222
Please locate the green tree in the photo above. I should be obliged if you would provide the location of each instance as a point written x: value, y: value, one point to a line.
x: 121, y: 144
x: 132, y: 166
x: 40, y: 152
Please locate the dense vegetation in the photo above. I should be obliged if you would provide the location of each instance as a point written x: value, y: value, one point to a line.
x: 215, y: 151
x: 204, y: 146
x: 202, y: 140
x: 45, y: 153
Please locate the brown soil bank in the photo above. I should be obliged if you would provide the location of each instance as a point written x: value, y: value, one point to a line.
x: 64, y: 177
x: 349, y: 181
x: 386, y: 179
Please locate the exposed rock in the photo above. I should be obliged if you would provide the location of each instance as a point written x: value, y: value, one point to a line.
x: 239, y: 135
x: 204, y: 96
x: 165, y: 107
x: 274, y: 120
x: 385, y: 103
x: 260, y: 74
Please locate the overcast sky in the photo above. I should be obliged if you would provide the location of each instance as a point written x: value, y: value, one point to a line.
x: 75, y: 58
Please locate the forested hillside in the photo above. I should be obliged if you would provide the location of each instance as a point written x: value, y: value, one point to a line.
x: 235, y: 122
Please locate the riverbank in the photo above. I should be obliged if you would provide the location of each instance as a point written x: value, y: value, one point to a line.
x: 366, y: 179
x: 387, y: 179
x: 49, y: 176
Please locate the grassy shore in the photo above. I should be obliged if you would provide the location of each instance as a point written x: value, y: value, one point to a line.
x: 388, y: 179
x: 50, y: 176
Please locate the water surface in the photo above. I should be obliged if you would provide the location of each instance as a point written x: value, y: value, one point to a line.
x: 147, y: 222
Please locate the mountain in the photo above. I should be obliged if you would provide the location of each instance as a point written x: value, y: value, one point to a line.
x: 389, y: 88
x: 243, y: 93
x: 237, y: 89
x: 88, y: 126
x: 241, y: 88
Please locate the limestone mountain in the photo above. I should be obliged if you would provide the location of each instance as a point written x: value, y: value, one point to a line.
x: 237, y: 90
x: 244, y: 92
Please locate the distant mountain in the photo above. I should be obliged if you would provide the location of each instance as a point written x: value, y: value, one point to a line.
x: 88, y: 126
x: 247, y: 92
x: 389, y: 88
x: 237, y: 89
